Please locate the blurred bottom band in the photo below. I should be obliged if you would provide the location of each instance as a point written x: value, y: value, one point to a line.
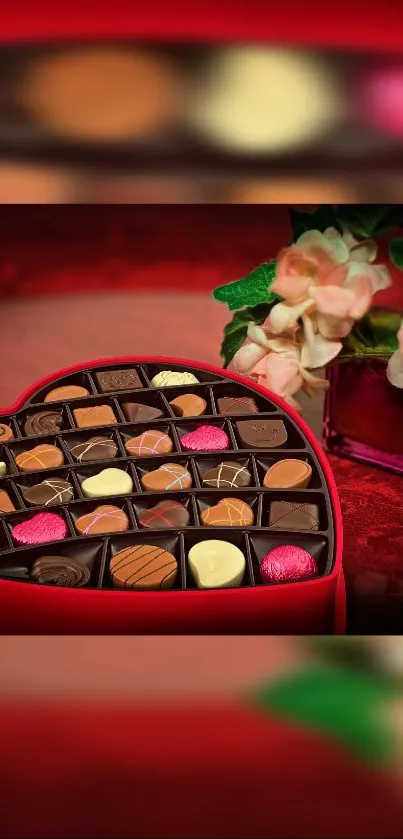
x: 217, y: 769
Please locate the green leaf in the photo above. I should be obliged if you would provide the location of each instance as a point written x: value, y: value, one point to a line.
x: 250, y: 290
x: 368, y: 220
x: 320, y: 219
x: 396, y: 252
x: 342, y: 704
x: 374, y: 336
x: 236, y: 330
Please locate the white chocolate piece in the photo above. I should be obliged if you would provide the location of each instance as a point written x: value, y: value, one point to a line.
x: 107, y: 482
x: 167, y: 378
x: 263, y: 99
x: 3, y: 469
x: 216, y: 564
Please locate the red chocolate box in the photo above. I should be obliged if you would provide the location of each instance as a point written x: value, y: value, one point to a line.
x: 73, y: 602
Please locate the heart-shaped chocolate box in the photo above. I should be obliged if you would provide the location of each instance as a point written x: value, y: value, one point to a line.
x: 273, y: 433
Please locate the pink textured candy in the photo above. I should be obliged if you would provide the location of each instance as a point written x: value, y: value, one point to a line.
x: 287, y: 564
x: 206, y: 438
x: 44, y: 527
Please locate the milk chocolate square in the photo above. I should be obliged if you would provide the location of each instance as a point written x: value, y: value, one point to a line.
x: 237, y: 405
x: 286, y: 515
x: 95, y: 415
x: 111, y: 380
x: 262, y: 433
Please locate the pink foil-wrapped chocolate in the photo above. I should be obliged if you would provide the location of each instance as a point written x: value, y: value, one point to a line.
x: 206, y: 438
x: 287, y: 564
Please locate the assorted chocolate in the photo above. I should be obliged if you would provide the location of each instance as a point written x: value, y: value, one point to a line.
x: 250, y: 476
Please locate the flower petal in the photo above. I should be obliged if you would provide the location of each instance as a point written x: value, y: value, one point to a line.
x: 283, y: 316
x: 394, y: 370
x: 317, y: 350
x: 382, y: 279
x: 400, y: 337
x: 378, y: 275
x: 286, y: 348
x: 333, y: 300
x: 257, y: 335
x: 329, y: 245
x: 245, y: 359
x: 283, y: 375
x: 293, y: 275
x: 332, y: 327
x: 365, y: 251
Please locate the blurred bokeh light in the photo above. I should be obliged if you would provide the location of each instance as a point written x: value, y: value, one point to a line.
x: 174, y: 123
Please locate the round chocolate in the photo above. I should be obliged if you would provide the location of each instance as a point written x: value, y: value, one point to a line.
x: 169, y: 476
x: 143, y: 567
x: 287, y: 564
x: 189, y: 405
x: 229, y: 512
x: 164, y: 515
x: 48, y: 493
x: 59, y: 571
x: 6, y: 432
x: 289, y: 473
x: 149, y: 443
x: 96, y: 448
x: 43, y: 422
x: 227, y: 475
x: 137, y: 412
x: 262, y: 434
x: 43, y: 456
x: 104, y: 519
x: 62, y: 394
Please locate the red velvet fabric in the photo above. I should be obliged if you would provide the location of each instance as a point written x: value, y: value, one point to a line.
x: 179, y: 770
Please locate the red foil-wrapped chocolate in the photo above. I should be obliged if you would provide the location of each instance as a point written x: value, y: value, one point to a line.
x: 287, y: 564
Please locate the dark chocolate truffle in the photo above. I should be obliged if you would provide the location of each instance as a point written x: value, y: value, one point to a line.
x: 96, y: 448
x: 59, y: 571
x: 165, y: 514
x: 48, y: 493
x: 111, y: 380
x: 262, y: 434
x: 143, y: 567
x: 43, y: 422
x: 137, y: 412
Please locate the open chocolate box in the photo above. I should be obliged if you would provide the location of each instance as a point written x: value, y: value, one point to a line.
x: 49, y: 498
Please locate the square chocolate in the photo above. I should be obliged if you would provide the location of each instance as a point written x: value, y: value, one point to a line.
x: 94, y: 415
x: 286, y: 515
x: 111, y: 380
x: 237, y: 405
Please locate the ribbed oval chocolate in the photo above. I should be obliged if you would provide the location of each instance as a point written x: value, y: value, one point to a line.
x: 60, y: 571
x: 143, y: 567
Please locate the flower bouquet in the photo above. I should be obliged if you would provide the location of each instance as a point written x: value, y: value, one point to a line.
x: 311, y: 307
